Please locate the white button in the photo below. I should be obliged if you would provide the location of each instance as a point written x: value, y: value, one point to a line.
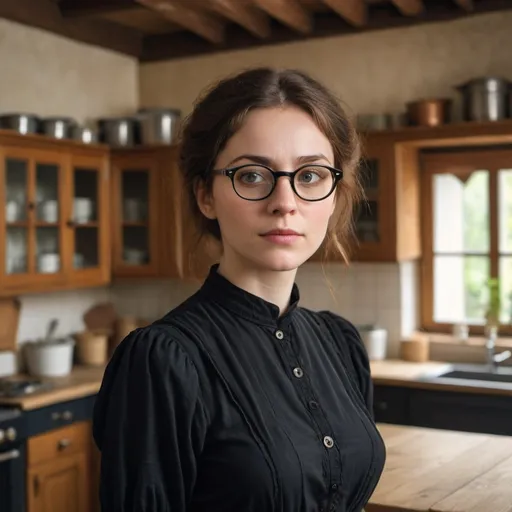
x: 298, y: 372
x: 328, y: 442
x: 279, y: 335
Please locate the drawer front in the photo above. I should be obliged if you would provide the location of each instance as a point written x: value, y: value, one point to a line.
x: 60, y: 415
x: 58, y: 443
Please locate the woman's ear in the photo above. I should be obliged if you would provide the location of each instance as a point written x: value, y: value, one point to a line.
x: 205, y: 201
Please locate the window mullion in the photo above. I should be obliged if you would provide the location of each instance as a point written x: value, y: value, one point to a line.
x: 493, y: 221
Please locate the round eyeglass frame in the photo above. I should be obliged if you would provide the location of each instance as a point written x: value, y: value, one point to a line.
x: 337, y: 175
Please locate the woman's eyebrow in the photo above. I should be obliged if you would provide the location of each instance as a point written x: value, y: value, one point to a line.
x: 268, y: 161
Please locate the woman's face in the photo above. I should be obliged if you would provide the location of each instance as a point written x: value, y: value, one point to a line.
x: 283, y: 138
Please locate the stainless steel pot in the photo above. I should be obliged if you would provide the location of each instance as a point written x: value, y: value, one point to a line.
x: 58, y: 127
x: 22, y: 123
x: 84, y: 134
x: 119, y: 131
x: 485, y: 99
x: 158, y: 125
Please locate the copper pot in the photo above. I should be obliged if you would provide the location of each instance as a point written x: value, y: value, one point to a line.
x: 434, y: 112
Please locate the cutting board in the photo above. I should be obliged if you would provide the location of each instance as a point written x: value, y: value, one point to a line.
x: 9, y: 318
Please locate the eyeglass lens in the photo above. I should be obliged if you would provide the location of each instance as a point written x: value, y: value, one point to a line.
x: 256, y: 182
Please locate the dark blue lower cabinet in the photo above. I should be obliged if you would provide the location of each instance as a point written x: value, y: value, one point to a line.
x: 468, y: 412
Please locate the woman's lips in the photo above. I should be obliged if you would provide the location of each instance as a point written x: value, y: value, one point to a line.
x: 282, y: 236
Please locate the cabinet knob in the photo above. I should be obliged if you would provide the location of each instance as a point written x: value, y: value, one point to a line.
x: 382, y: 405
x: 63, y: 444
x: 11, y: 434
x: 2, y: 436
x: 67, y: 415
x: 71, y: 223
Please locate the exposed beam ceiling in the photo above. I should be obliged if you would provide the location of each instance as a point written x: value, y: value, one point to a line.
x: 410, y: 7
x: 245, y: 15
x: 200, y: 24
x: 288, y: 12
x: 468, y: 5
x: 353, y: 11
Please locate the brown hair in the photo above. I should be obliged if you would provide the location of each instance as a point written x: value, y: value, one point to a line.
x: 220, y: 112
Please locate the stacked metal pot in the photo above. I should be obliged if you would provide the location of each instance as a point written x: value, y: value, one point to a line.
x: 149, y: 126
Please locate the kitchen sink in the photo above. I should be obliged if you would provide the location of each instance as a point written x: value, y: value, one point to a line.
x: 476, y: 375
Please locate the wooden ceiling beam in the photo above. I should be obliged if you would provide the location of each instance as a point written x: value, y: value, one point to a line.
x: 354, y: 12
x: 467, y: 5
x: 410, y: 7
x: 245, y: 15
x: 288, y: 12
x: 84, y: 8
x: 203, y: 25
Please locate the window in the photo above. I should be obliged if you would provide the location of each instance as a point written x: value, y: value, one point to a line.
x: 467, y: 237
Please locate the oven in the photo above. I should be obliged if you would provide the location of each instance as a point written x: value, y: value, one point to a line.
x: 13, y: 437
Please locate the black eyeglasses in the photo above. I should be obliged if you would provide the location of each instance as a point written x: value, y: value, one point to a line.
x: 255, y: 182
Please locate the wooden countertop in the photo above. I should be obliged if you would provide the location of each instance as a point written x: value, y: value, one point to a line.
x: 85, y: 381
x: 430, y: 470
x: 395, y: 372
x: 82, y: 381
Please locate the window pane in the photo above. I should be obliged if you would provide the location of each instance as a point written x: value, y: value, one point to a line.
x: 505, y: 210
x: 461, y: 213
x: 506, y: 289
x: 459, y: 288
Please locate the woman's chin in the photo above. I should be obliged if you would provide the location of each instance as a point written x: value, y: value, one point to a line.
x: 280, y: 261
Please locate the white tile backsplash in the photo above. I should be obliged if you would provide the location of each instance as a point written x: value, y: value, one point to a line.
x: 383, y: 294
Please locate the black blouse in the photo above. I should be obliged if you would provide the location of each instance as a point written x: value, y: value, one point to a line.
x: 223, y: 405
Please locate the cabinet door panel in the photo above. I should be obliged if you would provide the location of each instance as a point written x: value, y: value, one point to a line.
x: 136, y: 215
x: 465, y: 412
x: 60, y: 486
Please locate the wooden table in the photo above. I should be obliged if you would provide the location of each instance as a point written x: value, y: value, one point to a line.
x: 431, y: 470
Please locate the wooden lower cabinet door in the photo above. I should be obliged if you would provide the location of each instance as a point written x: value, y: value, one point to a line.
x: 60, y: 485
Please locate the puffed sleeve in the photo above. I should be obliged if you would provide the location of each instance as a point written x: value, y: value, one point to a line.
x: 352, y: 350
x: 149, y: 424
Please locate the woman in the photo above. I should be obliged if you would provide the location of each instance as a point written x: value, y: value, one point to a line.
x: 238, y: 399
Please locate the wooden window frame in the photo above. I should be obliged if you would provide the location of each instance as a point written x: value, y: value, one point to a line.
x: 461, y: 161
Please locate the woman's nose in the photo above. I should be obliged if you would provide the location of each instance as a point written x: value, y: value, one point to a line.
x: 283, y: 199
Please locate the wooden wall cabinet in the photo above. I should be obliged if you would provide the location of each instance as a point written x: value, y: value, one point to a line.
x: 387, y: 225
x: 154, y: 234
x: 54, y: 214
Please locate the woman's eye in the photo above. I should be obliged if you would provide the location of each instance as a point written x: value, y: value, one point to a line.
x: 250, y: 177
x: 312, y: 175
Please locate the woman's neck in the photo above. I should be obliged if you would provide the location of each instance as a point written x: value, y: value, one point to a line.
x: 273, y: 286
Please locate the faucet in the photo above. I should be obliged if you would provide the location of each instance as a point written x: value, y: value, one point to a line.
x: 493, y: 359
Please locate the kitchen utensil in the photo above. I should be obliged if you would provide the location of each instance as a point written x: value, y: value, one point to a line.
x: 84, y: 134
x: 415, y: 348
x: 22, y: 123
x: 120, y: 131
x: 8, y: 364
x: 134, y: 210
x: 9, y: 319
x: 92, y: 347
x: 101, y: 317
x: 485, y: 99
x: 48, y: 263
x: 51, y: 329
x: 49, y: 210
x: 429, y: 112
x: 158, y: 125
x: 82, y: 210
x: 58, y: 127
x: 375, y: 341
x: 374, y: 122
x: 13, y: 211
x: 49, y: 358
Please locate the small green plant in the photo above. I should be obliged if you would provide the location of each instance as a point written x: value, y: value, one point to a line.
x: 492, y: 316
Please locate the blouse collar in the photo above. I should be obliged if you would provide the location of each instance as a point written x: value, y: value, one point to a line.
x: 247, y: 305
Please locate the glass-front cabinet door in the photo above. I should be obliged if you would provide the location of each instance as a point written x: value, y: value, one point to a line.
x: 33, y: 228
x: 87, y: 219
x: 136, y: 223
